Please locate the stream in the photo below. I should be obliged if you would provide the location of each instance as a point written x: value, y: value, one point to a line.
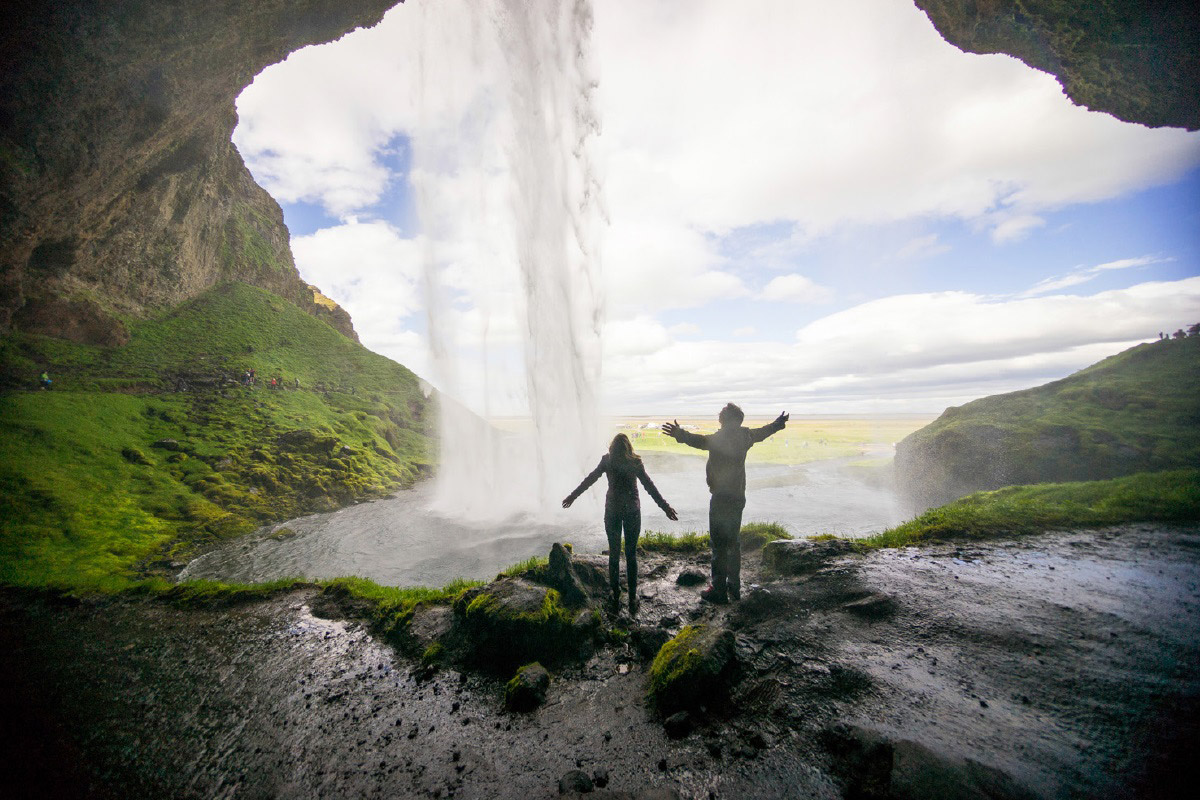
x: 398, y: 541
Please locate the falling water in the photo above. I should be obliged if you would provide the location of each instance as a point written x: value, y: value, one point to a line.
x: 513, y: 299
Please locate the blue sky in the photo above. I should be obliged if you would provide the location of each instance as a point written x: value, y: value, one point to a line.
x: 821, y: 208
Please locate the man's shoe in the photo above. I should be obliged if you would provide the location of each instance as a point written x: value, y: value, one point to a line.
x: 711, y: 595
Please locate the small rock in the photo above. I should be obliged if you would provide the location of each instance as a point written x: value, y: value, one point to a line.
x: 678, y: 725
x: 527, y: 689
x: 691, y: 577
x: 799, y: 556
x: 600, y: 778
x: 166, y: 444
x: 575, y: 781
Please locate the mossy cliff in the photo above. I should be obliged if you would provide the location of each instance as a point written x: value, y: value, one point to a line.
x: 1137, y: 411
x: 120, y: 192
x: 147, y: 451
x: 1138, y: 61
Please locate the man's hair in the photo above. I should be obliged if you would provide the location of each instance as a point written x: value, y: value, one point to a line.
x: 731, y: 413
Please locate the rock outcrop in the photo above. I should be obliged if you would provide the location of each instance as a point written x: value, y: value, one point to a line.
x: 1138, y: 61
x: 120, y: 191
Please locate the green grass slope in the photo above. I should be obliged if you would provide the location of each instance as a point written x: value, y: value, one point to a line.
x: 1136, y: 411
x: 86, y: 496
x: 1172, y: 496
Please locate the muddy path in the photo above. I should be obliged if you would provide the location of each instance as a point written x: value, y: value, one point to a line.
x: 1060, y: 666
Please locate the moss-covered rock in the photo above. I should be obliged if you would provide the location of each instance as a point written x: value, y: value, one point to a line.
x: 527, y: 689
x: 694, y: 668
x: 512, y: 621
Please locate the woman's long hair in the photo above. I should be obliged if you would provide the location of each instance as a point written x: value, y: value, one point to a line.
x: 620, y: 451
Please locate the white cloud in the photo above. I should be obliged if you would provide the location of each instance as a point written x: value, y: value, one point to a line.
x: 921, y: 247
x: 795, y: 288
x: 1015, y: 227
x: 744, y: 331
x: 923, y: 349
x: 809, y: 116
x: 367, y: 267
x: 1084, y: 275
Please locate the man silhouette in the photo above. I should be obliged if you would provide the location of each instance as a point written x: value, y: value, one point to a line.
x: 726, y: 473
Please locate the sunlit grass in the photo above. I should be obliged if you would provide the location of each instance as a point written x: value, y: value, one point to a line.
x: 1172, y: 496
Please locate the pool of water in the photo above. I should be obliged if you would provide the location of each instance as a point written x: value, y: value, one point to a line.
x: 398, y: 541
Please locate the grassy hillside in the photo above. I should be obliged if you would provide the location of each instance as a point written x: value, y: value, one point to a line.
x: 151, y: 450
x: 1133, y: 412
x: 1172, y: 496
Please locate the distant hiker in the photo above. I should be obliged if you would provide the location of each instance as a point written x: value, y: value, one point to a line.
x: 246, y: 378
x: 297, y: 383
x: 273, y: 384
x: 45, y: 381
x: 622, y: 509
x: 726, y: 473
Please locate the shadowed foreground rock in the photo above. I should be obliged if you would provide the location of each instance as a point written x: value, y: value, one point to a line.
x: 797, y: 557
x: 692, y: 669
x: 875, y: 766
x: 527, y: 689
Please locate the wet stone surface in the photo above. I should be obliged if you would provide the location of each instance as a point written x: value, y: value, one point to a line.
x: 1063, y: 665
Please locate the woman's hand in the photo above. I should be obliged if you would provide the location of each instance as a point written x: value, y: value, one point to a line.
x: 567, y: 502
x: 671, y: 515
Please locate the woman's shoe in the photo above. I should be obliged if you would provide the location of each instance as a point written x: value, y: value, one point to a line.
x: 711, y: 595
x: 633, y: 606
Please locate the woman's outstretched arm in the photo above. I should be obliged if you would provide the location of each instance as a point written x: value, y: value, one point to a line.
x: 653, y: 491
x: 591, y: 478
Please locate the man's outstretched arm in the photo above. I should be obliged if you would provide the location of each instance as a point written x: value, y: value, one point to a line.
x: 676, y: 432
x: 758, y: 434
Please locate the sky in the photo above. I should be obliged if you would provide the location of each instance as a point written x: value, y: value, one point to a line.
x: 816, y: 206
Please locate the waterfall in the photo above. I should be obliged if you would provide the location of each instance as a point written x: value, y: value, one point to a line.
x: 510, y: 205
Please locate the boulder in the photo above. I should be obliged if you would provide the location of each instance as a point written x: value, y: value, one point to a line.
x: 694, y: 668
x: 575, y: 782
x: 873, y: 764
x: 798, y: 557
x: 561, y: 576
x: 513, y: 621
x: 527, y: 689
x: 649, y: 640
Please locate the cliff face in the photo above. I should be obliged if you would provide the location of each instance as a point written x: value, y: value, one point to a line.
x: 1135, y: 60
x: 120, y: 191
x: 1134, y: 412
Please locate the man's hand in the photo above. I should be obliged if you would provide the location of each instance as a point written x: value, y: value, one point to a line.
x: 782, y: 418
x: 671, y: 515
x: 567, y: 502
x: 672, y: 429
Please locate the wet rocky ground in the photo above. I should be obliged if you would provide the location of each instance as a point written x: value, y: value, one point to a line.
x: 1062, y: 665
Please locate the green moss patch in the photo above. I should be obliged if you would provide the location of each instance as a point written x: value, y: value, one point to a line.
x: 692, y: 669
x: 1172, y: 496
x: 512, y: 621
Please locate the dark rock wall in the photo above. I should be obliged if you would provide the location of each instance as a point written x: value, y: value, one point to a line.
x: 1136, y: 60
x: 119, y: 187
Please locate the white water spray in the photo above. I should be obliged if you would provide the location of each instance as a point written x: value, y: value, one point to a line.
x: 513, y: 297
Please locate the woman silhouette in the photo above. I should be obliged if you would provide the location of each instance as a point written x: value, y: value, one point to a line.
x: 622, y: 509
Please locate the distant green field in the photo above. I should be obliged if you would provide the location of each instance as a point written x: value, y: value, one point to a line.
x: 802, y: 441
